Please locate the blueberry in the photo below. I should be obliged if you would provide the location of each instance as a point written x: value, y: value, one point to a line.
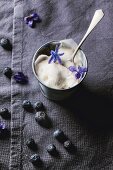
x: 8, y: 72
x: 27, y: 104
x: 38, y: 106
x: 35, y: 160
x: 41, y: 118
x: 51, y: 149
x: 5, y: 114
x: 68, y: 145
x: 59, y: 135
x: 31, y: 144
x: 5, y: 43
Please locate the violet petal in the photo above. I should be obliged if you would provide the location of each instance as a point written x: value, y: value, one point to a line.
x: 72, y: 68
x: 77, y: 75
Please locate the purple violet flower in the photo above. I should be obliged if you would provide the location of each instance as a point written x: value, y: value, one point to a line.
x: 79, y: 72
x: 32, y: 19
x: 35, y: 17
x: 31, y: 23
x: 2, y: 126
x: 21, y: 78
x: 55, y: 56
x: 72, y: 69
x: 4, y: 131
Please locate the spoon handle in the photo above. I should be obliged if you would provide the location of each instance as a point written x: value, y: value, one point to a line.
x: 98, y: 15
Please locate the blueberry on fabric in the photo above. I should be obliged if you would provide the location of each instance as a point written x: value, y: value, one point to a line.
x: 39, y: 106
x: 68, y: 145
x: 51, y: 149
x: 55, y: 56
x: 41, y: 118
x: 5, y: 43
x: 8, y: 72
x: 5, y: 114
x: 21, y: 78
x: 59, y: 135
x: 35, y: 160
x: 31, y: 144
x: 26, y: 104
x: 79, y: 72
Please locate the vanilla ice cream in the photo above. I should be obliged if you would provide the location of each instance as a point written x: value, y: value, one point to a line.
x: 55, y: 75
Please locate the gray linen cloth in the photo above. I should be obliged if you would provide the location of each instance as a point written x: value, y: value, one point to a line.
x: 86, y: 118
x: 6, y: 27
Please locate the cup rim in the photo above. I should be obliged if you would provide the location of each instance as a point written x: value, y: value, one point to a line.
x: 33, y: 67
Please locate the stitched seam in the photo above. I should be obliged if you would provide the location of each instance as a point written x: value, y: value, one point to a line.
x: 16, y: 130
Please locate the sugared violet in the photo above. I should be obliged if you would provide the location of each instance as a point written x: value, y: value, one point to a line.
x: 79, y: 71
x: 21, y: 78
x: 32, y: 19
x: 55, y: 56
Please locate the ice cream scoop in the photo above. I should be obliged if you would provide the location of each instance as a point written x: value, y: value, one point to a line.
x: 54, y: 70
x: 57, y: 87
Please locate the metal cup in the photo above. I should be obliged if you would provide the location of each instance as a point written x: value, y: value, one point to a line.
x: 50, y: 93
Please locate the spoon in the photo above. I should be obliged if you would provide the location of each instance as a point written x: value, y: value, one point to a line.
x: 98, y: 15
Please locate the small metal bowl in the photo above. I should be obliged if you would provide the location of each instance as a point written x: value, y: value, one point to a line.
x: 50, y: 93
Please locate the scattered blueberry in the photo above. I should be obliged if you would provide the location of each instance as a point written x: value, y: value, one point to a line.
x: 41, y: 118
x: 31, y: 144
x: 5, y: 43
x: 35, y: 160
x: 21, y: 78
x: 51, y: 149
x: 59, y: 135
x: 4, y: 113
x: 68, y: 145
x: 8, y: 72
x: 38, y: 106
x: 26, y: 104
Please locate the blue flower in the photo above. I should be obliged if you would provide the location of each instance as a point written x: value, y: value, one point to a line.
x: 2, y: 126
x: 21, y: 78
x: 55, y: 56
x: 4, y: 131
x: 35, y: 17
x: 79, y: 72
x: 32, y: 19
